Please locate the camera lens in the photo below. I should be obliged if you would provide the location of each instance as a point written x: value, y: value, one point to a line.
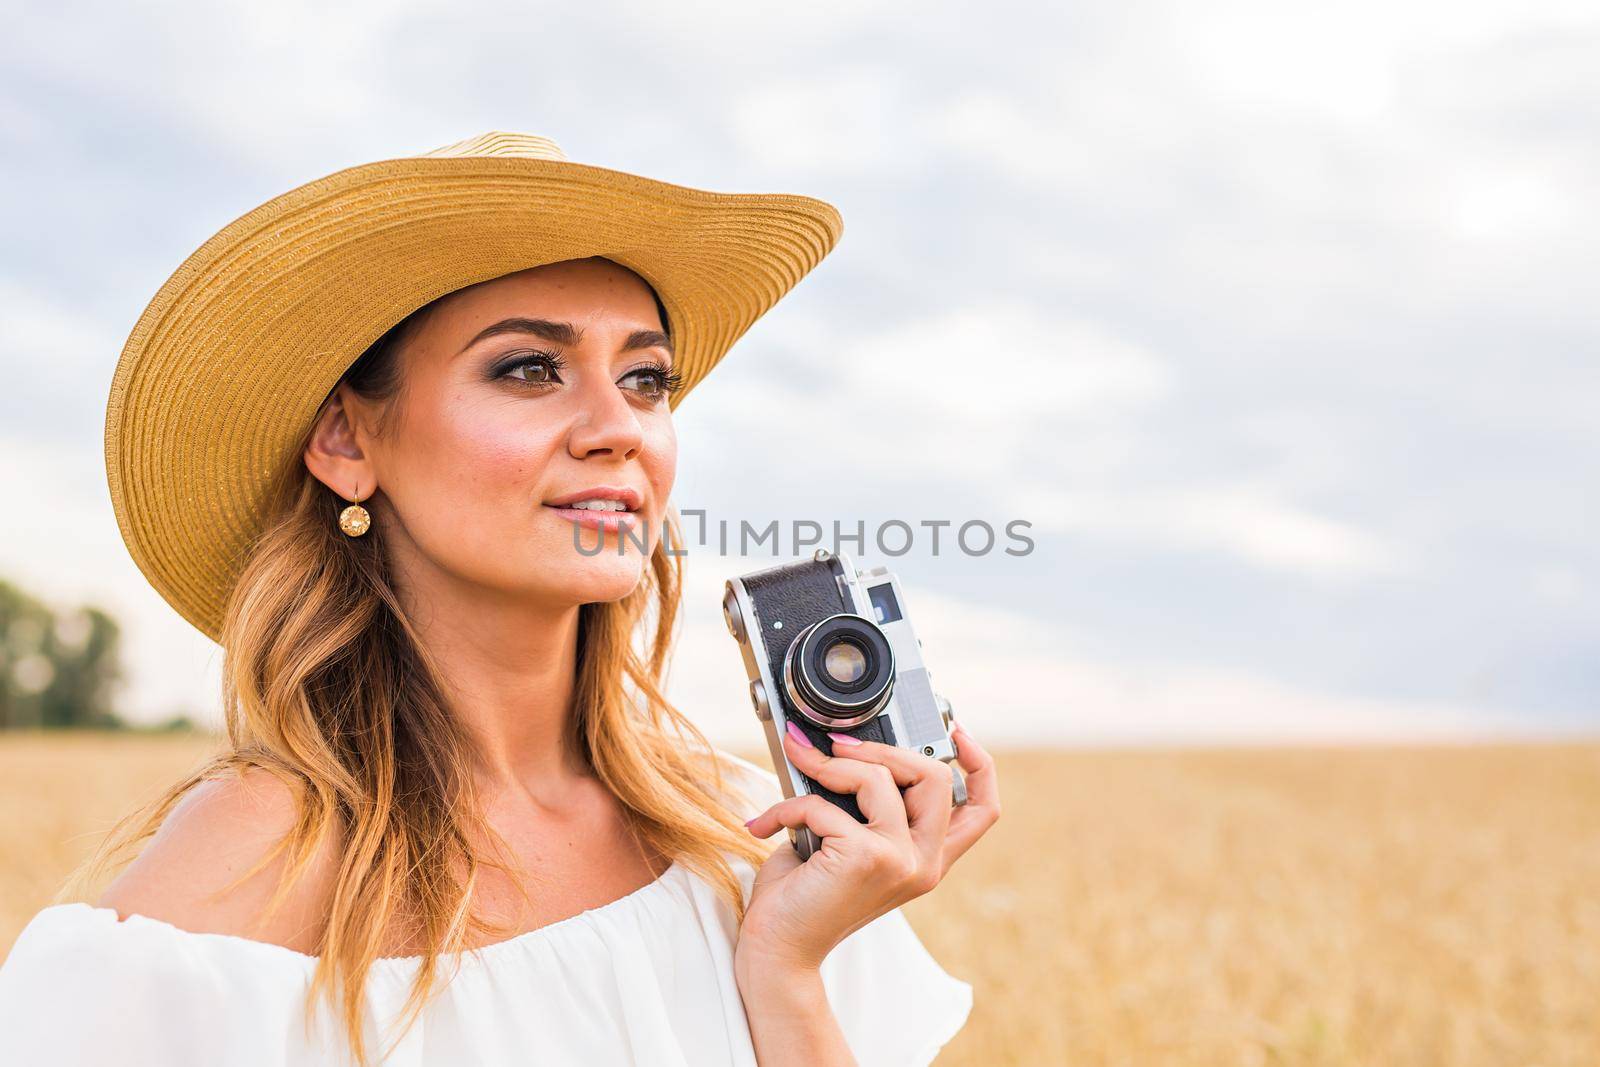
x: 839, y: 672
x: 844, y: 661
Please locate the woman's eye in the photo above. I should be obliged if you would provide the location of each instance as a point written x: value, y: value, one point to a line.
x: 646, y: 381
x: 653, y: 382
x: 533, y: 370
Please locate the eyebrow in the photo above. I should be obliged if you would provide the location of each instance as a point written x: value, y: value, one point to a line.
x: 564, y: 333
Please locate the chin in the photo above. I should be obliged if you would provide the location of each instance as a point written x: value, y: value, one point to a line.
x: 586, y: 579
x: 603, y: 577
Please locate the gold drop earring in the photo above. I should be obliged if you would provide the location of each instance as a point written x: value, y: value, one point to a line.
x: 354, y: 519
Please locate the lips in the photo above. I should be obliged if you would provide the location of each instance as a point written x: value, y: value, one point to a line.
x: 599, y: 496
x: 602, y: 507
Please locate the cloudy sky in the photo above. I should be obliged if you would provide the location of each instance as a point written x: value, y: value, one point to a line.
x: 1276, y: 322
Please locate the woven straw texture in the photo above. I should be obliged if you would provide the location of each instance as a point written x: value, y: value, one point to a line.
x: 226, y: 367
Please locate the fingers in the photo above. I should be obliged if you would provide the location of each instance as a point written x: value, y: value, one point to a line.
x: 823, y: 818
x: 982, y: 809
x: 874, y: 786
x: 927, y: 796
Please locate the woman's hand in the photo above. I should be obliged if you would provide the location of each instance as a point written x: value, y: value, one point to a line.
x: 799, y: 910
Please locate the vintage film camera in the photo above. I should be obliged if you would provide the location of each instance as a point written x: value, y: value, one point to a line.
x: 830, y: 649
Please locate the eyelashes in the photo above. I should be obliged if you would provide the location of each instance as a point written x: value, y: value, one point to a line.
x: 548, y: 366
x: 671, y: 381
x: 549, y: 362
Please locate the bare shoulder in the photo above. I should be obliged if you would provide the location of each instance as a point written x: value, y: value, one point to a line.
x: 219, y: 830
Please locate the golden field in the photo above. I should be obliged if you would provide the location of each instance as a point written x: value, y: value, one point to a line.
x: 1229, y: 907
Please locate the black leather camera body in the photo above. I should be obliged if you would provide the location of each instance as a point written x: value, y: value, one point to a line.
x: 831, y: 649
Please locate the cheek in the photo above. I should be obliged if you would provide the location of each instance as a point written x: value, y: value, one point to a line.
x: 468, y: 460
x: 659, y: 456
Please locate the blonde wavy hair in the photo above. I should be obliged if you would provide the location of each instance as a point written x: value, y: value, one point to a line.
x: 326, y: 686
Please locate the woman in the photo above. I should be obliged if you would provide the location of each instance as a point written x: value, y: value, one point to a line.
x: 454, y: 808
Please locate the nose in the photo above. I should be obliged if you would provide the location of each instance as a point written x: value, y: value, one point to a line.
x: 606, y: 423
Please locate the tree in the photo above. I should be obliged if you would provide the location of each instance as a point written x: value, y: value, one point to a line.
x: 57, y: 668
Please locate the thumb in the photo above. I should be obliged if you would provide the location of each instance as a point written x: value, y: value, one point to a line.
x: 783, y: 860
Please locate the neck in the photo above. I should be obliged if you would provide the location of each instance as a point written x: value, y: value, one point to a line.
x: 508, y: 668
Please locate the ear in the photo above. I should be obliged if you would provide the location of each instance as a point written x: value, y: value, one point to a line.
x: 337, y: 452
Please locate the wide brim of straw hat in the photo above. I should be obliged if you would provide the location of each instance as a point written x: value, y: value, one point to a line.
x: 225, y: 369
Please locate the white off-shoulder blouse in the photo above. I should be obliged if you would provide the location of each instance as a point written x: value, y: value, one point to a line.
x: 645, y: 979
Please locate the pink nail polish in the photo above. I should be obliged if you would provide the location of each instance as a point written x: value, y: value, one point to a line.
x: 799, y: 735
x: 747, y: 822
x: 844, y: 739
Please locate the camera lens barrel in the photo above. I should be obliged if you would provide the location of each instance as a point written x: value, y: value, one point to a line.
x: 839, y: 671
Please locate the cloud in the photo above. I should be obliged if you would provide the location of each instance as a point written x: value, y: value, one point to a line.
x: 57, y: 359
x: 975, y: 392
x: 1242, y: 521
x: 834, y: 126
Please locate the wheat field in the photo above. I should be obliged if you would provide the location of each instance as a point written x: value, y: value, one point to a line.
x: 1357, y: 906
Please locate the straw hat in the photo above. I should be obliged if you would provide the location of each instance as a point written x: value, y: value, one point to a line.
x: 228, y: 364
